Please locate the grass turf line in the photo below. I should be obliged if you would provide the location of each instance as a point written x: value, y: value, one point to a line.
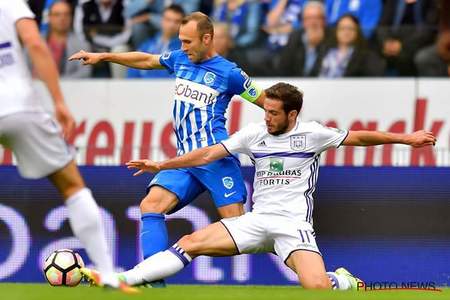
x: 13, y: 291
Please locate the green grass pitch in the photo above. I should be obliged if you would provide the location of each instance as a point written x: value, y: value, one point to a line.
x: 13, y: 291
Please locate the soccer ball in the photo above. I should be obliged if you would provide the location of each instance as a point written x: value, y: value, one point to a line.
x: 62, y: 268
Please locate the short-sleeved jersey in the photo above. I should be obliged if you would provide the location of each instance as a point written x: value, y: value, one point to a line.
x: 202, y: 94
x: 286, y: 166
x: 16, y: 91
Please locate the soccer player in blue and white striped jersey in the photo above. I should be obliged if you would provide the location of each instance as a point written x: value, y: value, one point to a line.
x: 205, y: 84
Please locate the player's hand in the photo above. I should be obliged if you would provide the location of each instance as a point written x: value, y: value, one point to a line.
x: 421, y: 138
x: 87, y: 58
x: 65, y: 119
x: 143, y: 165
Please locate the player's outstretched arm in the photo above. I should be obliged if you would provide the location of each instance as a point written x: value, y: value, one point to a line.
x: 195, y: 158
x: 138, y: 60
x: 419, y: 138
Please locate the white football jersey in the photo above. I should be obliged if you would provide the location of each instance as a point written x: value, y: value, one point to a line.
x: 286, y: 166
x: 16, y: 91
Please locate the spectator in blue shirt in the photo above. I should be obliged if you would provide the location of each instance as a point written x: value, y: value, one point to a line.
x: 145, y: 15
x: 349, y: 56
x: 243, y: 17
x: 368, y: 13
x: 306, y: 47
x: 282, y: 18
x: 165, y: 40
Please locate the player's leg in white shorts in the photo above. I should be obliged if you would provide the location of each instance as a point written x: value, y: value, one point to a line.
x: 291, y: 235
x: 249, y: 233
x: 295, y: 243
x: 230, y: 236
x: 36, y: 141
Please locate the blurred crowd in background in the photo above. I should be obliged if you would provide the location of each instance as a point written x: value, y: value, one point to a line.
x: 299, y: 38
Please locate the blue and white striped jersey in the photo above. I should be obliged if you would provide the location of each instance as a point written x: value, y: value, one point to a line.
x: 202, y: 94
x: 286, y: 165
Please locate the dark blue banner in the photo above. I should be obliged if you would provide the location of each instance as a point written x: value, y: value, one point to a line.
x: 383, y: 224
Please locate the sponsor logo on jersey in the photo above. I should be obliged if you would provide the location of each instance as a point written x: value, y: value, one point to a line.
x: 209, y: 78
x: 275, y: 177
x: 166, y: 55
x: 294, y: 173
x: 276, y: 164
x: 194, y: 93
x: 262, y: 144
x: 298, y: 142
x: 227, y: 195
x: 228, y: 182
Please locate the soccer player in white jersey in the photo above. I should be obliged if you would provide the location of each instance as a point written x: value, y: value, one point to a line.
x: 36, y: 138
x: 286, y: 154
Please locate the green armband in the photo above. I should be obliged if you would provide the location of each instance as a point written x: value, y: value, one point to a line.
x: 252, y: 92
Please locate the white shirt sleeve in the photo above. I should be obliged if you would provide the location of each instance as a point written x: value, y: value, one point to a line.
x: 239, y: 141
x: 327, y: 137
x: 17, y: 10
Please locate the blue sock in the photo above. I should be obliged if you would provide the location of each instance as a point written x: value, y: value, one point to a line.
x: 154, y: 236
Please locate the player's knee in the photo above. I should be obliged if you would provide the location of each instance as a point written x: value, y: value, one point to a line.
x: 150, y: 206
x: 158, y: 201
x: 153, y: 205
x: 68, y: 180
x: 232, y: 210
x: 190, y: 243
x: 315, y: 282
x: 187, y: 243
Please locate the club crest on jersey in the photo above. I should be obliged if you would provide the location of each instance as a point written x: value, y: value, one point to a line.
x: 252, y: 92
x: 209, y: 78
x: 298, y: 142
x: 228, y: 182
x: 276, y: 164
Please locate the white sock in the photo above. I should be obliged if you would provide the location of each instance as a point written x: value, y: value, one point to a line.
x: 86, y: 223
x: 158, y: 266
x: 339, y: 282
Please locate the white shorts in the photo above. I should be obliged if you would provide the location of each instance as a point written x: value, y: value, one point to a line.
x: 37, y: 143
x: 261, y: 233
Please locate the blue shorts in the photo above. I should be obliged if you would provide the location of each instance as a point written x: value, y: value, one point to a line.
x: 222, y: 178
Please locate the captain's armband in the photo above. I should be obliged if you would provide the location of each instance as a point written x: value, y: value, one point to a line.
x: 252, y: 91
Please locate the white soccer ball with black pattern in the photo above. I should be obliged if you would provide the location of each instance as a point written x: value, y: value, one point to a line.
x: 62, y: 268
